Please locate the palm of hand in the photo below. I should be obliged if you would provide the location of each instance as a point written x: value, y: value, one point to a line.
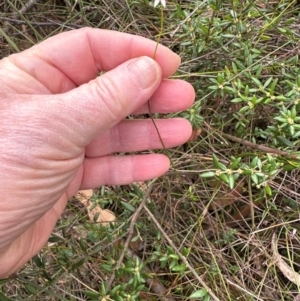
x: 57, y: 138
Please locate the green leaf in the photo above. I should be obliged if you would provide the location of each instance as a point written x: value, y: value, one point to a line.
x: 179, y: 268
x: 234, y: 68
x: 198, y: 294
x: 268, y: 81
x: 135, y: 238
x: 95, y: 217
x: 30, y: 289
x: 224, y: 178
x: 115, y: 289
x: 91, y: 294
x: 256, y: 81
x: 4, y: 298
x: 253, y: 163
x: 54, y: 238
x: 207, y: 174
x: 244, y: 109
x: 235, y: 163
x: 36, y: 259
x: 268, y: 190
x: 236, y: 100
x: 106, y: 267
x: 254, y: 178
x: 103, y: 288
x: 128, y: 206
x: 201, y: 46
x: 227, y: 71
x: 215, y: 161
x: 231, y: 181
x: 4, y: 280
x: 174, y: 256
x: 77, y: 264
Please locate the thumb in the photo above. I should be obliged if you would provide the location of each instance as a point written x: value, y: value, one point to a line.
x: 98, y: 105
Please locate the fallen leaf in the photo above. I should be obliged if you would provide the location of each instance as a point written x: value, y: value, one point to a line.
x: 105, y: 216
x: 195, y: 134
x: 84, y: 195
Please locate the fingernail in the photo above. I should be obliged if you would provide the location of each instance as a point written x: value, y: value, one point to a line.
x: 144, y: 71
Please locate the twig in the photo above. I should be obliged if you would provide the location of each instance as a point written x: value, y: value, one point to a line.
x: 27, y: 7
x: 130, y: 234
x: 260, y: 147
x: 183, y: 258
x: 243, y: 290
x: 186, y: 19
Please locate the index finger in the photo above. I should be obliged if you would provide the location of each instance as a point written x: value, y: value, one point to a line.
x: 81, y: 54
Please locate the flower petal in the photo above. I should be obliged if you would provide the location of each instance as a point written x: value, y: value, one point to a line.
x: 156, y: 2
x: 162, y: 2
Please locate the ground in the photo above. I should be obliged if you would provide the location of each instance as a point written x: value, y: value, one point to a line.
x: 223, y: 223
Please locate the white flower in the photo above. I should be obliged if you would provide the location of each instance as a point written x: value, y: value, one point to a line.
x: 162, y: 2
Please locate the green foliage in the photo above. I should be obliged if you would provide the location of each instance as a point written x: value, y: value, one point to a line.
x: 232, y: 186
x: 200, y: 295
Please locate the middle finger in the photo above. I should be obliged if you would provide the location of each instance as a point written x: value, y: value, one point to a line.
x: 138, y: 135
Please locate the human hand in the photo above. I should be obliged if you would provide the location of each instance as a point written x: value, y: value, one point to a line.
x: 60, y: 123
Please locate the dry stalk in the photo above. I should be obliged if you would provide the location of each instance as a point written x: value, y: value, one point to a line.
x: 184, y: 21
x: 26, y: 8
x: 243, y: 289
x: 260, y: 147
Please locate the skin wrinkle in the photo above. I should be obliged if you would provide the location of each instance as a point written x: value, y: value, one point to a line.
x: 114, y: 135
x: 44, y: 167
x: 29, y: 74
x: 40, y: 187
x: 15, y: 229
x: 77, y: 81
x: 104, y: 90
x: 31, y: 154
x: 98, y: 63
x: 26, y: 217
x: 65, y: 81
x: 54, y: 138
x: 10, y: 78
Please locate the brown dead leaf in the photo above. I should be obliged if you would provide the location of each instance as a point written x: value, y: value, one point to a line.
x: 105, y: 216
x: 84, y: 195
x: 228, y: 196
x: 195, y: 134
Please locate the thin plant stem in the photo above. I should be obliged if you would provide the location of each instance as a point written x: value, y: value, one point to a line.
x: 154, y: 56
